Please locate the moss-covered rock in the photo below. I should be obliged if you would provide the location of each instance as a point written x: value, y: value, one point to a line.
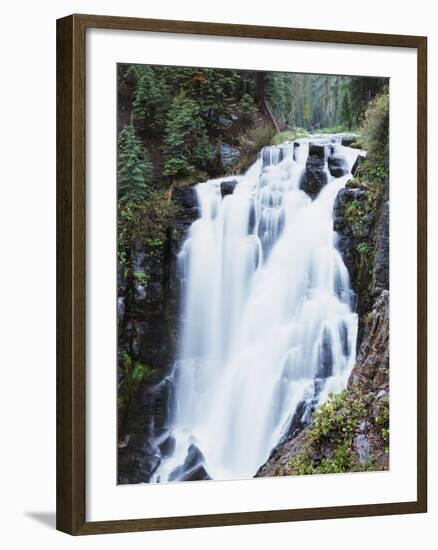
x: 361, y: 220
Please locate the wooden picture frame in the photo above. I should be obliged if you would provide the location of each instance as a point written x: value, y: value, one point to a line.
x: 71, y: 273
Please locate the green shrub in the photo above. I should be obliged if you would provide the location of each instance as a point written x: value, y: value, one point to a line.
x: 257, y: 138
x: 141, y: 277
x: 335, y: 425
x: 375, y: 137
x: 247, y: 109
x: 143, y: 222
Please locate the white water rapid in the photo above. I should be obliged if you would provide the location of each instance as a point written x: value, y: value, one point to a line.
x: 268, y: 323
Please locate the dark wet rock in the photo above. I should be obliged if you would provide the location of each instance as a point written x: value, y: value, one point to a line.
x: 318, y: 151
x: 194, y: 457
x: 357, y: 163
x: 228, y: 154
x: 199, y: 473
x: 343, y: 330
x: 337, y: 165
x: 252, y: 218
x: 193, y: 468
x: 148, y: 331
x: 168, y: 446
x: 298, y: 422
x: 348, y: 139
x: 325, y: 357
x: 381, y: 255
x: 316, y: 174
x: 227, y: 187
x: 372, y: 366
x: 361, y: 221
x: 138, y: 461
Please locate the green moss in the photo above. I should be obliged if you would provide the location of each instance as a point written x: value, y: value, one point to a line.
x: 133, y: 373
x: 140, y: 372
x: 372, y: 170
x: 335, y: 426
x: 355, y: 213
x: 141, y: 277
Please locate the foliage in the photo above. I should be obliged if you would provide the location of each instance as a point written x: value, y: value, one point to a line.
x: 247, y: 108
x: 375, y: 132
x: 320, y: 101
x: 186, y: 143
x: 190, y: 111
x: 362, y: 91
x: 134, y: 167
x: 346, y: 110
x: 140, y: 372
x: 257, y: 138
x: 336, y: 424
x: 141, y: 277
x: 143, y: 222
x: 133, y: 372
x: 250, y: 143
x: 151, y: 97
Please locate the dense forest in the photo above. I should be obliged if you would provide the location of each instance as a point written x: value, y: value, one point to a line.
x: 173, y: 121
x: 178, y: 126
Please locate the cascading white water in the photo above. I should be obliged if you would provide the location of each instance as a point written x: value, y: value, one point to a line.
x: 268, y: 322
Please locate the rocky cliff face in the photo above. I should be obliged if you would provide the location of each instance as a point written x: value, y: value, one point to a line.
x: 148, y: 311
x: 361, y: 219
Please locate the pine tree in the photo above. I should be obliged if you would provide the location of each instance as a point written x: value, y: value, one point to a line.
x: 346, y: 111
x: 134, y: 167
x: 186, y: 144
x: 151, y: 98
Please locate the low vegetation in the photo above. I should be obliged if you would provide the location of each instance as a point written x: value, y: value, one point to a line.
x: 330, y: 440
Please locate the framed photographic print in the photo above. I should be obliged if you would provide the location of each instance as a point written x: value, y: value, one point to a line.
x: 241, y: 283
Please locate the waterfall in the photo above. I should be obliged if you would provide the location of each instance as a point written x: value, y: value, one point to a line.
x: 268, y: 322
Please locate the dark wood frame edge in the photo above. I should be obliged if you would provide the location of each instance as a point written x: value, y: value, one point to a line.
x: 71, y: 312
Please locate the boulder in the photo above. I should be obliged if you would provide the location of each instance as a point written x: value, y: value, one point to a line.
x: 298, y: 421
x: 348, y: 139
x: 337, y: 165
x: 316, y: 173
x: 357, y: 163
x: 168, y: 446
x: 199, y: 473
x: 185, y: 196
x: 227, y: 187
x: 228, y: 154
x: 318, y: 151
x: 193, y: 468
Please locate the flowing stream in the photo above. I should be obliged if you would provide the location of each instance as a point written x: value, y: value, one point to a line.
x: 268, y: 323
